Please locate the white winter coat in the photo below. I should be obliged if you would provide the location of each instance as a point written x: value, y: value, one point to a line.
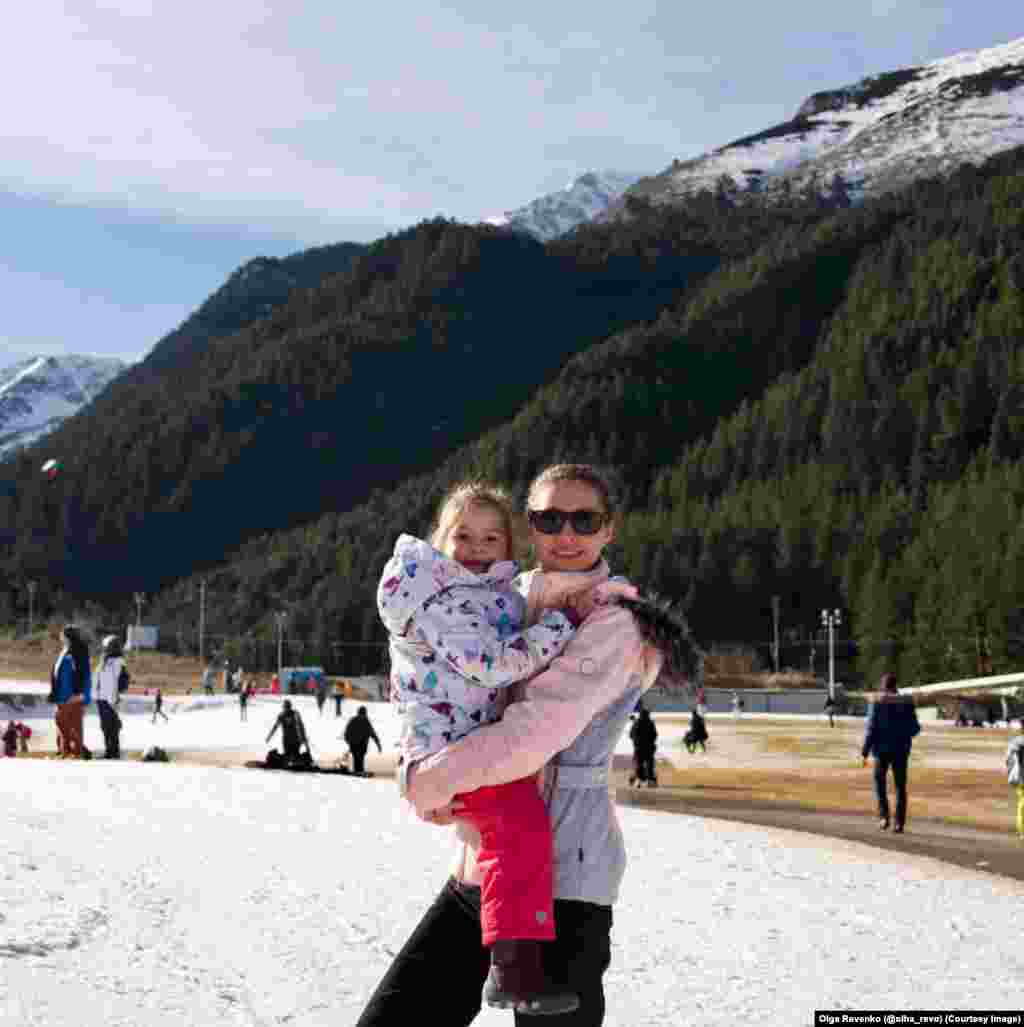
x: 105, y: 680
x: 1013, y: 759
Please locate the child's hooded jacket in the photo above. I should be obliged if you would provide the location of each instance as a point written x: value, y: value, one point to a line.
x: 456, y: 642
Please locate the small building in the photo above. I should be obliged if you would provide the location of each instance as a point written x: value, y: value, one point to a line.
x: 141, y: 636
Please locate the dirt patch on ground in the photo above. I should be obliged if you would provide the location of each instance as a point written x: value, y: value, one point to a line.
x: 800, y: 774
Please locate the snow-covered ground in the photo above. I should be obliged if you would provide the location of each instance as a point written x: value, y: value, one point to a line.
x: 163, y: 894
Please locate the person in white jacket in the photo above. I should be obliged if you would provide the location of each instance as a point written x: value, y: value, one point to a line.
x: 107, y: 691
x: 1015, y: 775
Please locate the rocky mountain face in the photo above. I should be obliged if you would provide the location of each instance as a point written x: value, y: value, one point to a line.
x: 37, y: 394
x: 872, y: 137
x: 553, y: 215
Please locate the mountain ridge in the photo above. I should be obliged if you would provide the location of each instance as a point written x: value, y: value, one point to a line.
x: 876, y: 135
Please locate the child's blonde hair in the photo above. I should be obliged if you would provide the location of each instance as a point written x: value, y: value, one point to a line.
x: 476, y: 493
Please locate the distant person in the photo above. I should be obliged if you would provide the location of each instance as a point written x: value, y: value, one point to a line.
x: 358, y: 732
x: 24, y: 734
x: 697, y: 734
x: 158, y: 707
x: 243, y: 703
x: 10, y: 739
x: 227, y: 677
x: 889, y: 733
x: 339, y: 695
x: 321, y: 696
x: 830, y: 710
x: 737, y: 706
x: 71, y: 691
x: 208, y: 678
x: 644, y: 736
x: 1015, y: 775
x: 702, y: 701
x: 111, y: 678
x: 293, y: 732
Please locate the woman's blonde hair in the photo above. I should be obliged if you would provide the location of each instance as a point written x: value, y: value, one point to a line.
x: 477, y: 493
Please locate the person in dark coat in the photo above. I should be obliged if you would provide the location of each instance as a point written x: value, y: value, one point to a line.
x: 158, y: 706
x: 644, y: 736
x: 889, y: 733
x: 698, y: 733
x: 10, y: 739
x: 358, y: 732
x: 293, y: 732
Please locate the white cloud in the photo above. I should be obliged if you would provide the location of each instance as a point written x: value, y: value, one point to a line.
x: 320, y: 115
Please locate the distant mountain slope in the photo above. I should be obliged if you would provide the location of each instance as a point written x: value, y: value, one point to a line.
x: 429, y: 338
x: 580, y: 201
x: 251, y: 293
x: 876, y: 135
x: 37, y: 394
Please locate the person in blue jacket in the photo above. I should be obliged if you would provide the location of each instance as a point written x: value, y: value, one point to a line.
x: 71, y: 691
x: 891, y: 726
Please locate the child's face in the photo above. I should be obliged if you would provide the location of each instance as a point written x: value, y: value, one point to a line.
x: 477, y: 538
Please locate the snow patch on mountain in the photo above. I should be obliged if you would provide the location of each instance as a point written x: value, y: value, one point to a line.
x: 557, y: 213
x: 877, y: 135
x: 37, y: 394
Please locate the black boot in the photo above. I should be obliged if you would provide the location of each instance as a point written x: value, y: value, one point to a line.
x: 517, y: 981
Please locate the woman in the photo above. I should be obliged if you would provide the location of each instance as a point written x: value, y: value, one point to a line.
x: 573, y: 715
x: 71, y: 692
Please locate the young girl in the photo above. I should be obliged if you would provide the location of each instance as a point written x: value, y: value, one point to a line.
x: 454, y: 619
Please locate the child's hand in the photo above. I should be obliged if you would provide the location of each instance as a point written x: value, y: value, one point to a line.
x: 581, y: 604
x: 443, y: 817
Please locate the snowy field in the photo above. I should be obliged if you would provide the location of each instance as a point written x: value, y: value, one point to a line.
x: 163, y: 894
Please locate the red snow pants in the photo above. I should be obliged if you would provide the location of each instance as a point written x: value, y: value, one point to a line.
x: 515, y: 860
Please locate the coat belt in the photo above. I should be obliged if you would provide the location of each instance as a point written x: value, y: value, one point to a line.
x: 568, y: 775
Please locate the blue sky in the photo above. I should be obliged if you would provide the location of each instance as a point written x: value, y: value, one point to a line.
x: 150, y: 147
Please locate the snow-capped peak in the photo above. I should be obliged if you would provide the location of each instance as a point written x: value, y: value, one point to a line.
x: 38, y: 393
x: 581, y: 200
x: 876, y: 135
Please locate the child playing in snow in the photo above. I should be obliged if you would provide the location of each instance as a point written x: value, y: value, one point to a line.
x: 455, y: 622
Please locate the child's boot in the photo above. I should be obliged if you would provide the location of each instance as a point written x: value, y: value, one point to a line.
x: 517, y: 981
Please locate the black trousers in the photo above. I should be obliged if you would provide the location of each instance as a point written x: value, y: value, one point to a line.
x: 643, y: 765
x: 358, y: 759
x: 443, y: 965
x: 898, y: 762
x: 110, y: 725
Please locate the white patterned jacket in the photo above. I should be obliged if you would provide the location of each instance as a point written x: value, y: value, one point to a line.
x: 456, y: 642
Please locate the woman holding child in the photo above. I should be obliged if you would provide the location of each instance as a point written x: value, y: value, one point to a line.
x: 566, y: 720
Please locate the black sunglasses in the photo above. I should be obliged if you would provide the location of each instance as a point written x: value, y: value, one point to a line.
x: 551, y: 522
